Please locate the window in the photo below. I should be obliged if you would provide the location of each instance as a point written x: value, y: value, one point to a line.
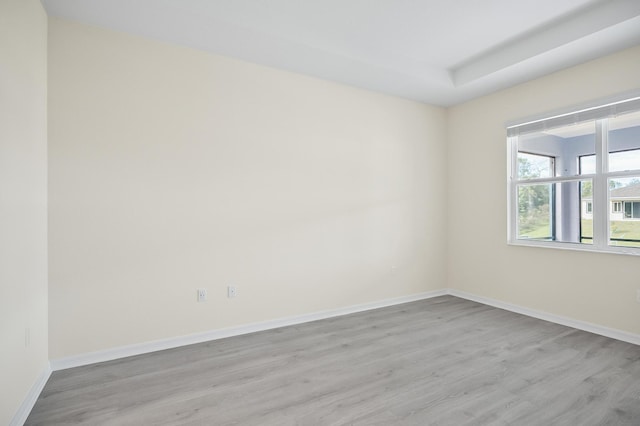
x: 632, y: 210
x: 535, y: 165
x: 574, y: 179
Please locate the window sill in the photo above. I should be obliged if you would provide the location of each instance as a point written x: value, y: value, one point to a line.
x: 632, y: 251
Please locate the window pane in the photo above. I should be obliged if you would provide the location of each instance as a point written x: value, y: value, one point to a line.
x: 561, y: 211
x: 534, y: 166
x: 624, y: 221
x: 587, y: 164
x: 624, y: 142
x: 534, y: 212
x: 586, y: 212
x: 565, y: 144
x: 624, y: 160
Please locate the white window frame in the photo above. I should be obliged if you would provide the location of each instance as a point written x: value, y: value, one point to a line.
x: 599, y: 112
x: 613, y: 207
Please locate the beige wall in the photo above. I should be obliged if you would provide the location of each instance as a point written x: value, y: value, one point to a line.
x: 23, y: 200
x: 172, y: 169
x: 598, y: 288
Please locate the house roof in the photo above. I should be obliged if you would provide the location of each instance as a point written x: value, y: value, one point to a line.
x: 626, y: 192
x: 631, y: 191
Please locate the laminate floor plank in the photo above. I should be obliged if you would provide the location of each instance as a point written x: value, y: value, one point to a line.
x: 441, y: 361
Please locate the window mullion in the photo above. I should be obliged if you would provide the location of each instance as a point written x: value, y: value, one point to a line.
x: 601, y: 188
x: 512, y: 170
x: 557, y: 179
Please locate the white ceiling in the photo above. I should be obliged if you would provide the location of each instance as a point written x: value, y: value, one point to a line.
x: 440, y: 52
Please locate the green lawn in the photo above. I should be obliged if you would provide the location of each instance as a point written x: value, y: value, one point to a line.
x: 619, y: 229
x: 587, y: 231
x: 542, y: 232
x: 628, y: 229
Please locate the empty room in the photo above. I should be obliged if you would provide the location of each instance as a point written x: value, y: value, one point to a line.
x: 355, y: 212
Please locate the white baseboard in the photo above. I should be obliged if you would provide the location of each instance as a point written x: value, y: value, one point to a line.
x: 147, y: 347
x: 158, y: 345
x: 32, y: 396
x: 569, y: 322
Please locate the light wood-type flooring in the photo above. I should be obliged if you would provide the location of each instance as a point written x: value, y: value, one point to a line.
x: 441, y: 361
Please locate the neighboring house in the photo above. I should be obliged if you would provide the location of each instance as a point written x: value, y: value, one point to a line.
x: 625, y: 204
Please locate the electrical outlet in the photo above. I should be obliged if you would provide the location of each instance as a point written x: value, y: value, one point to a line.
x: 202, y: 294
x: 232, y: 291
x: 638, y: 295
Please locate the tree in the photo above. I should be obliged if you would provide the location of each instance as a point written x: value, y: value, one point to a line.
x: 527, y: 170
x: 533, y: 200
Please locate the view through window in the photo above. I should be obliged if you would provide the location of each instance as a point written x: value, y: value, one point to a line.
x: 573, y: 174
